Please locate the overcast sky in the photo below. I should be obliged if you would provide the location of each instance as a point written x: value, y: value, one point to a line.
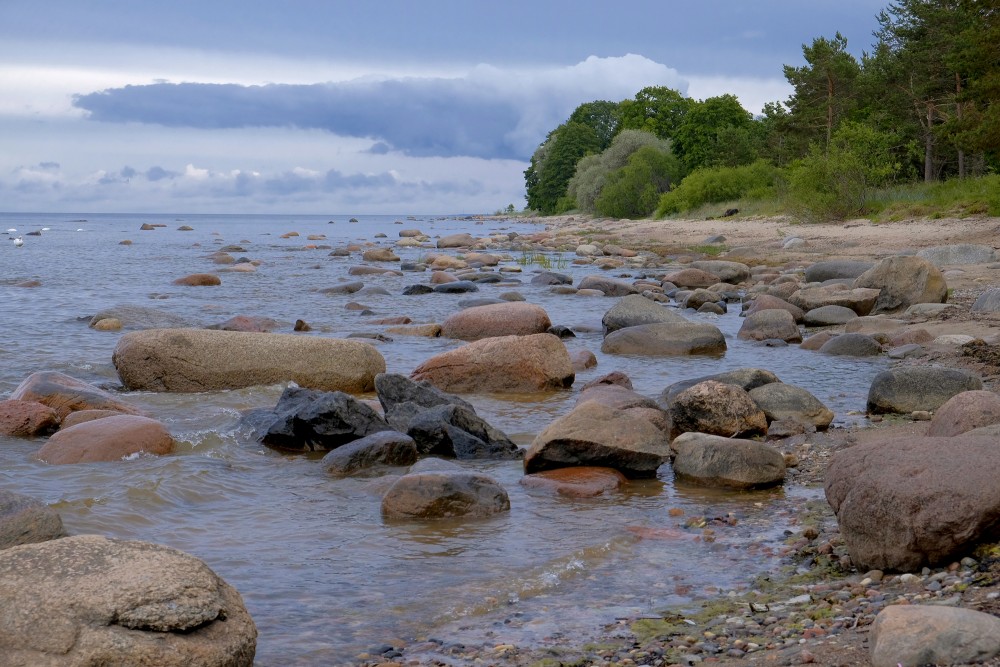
x: 335, y: 107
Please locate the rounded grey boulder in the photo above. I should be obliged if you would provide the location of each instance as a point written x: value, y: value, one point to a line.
x: 712, y: 460
x: 909, y: 388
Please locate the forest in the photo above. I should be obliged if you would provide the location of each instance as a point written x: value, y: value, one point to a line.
x: 912, y: 128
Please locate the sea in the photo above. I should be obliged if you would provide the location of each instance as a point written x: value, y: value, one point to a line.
x: 325, y: 579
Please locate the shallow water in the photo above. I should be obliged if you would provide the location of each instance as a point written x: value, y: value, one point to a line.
x: 323, y: 575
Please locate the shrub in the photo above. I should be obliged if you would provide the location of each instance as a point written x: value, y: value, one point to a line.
x: 592, y: 171
x: 717, y: 184
x: 633, y: 190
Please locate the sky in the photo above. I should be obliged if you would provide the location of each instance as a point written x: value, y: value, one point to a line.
x: 365, y: 107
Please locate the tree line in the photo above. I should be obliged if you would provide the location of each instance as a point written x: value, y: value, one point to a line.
x: 923, y: 104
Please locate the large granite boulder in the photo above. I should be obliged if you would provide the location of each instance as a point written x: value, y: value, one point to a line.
x: 384, y: 448
x: 911, y: 502
x: 835, y: 270
x: 915, y: 635
x: 718, y: 409
x: 852, y: 345
x: 744, y: 378
x: 306, y: 420
x: 770, y: 324
x: 108, y: 439
x: 909, y: 388
x: 692, y: 278
x: 959, y: 253
x: 516, y: 318
x: 66, y: 394
x: 444, y: 494
x: 728, y: 272
x: 25, y: 520
x: 828, y: 316
x: 781, y: 401
x: 462, y: 240
x: 25, y: 419
x: 609, y: 286
x: 987, y: 302
x: 903, y: 281
x: 402, y: 398
x: 712, y: 460
x: 634, y: 310
x: 594, y: 434
x: 666, y: 339
x: 964, y: 412
x: 90, y: 600
x: 189, y: 360
x: 860, y: 300
x: 533, y: 363
x: 769, y: 302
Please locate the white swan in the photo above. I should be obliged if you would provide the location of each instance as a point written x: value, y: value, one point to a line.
x: 18, y: 242
x: 11, y: 230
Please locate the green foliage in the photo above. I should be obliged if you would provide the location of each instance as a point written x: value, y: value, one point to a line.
x: 719, y: 184
x: 603, y: 116
x: 952, y: 198
x: 554, y: 164
x: 838, y: 183
x: 592, y: 171
x: 633, y: 190
x: 704, y: 136
x: 656, y: 109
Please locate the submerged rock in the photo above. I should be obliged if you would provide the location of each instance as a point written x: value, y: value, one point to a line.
x: 308, y: 420
x: 25, y: 520
x: 444, y: 494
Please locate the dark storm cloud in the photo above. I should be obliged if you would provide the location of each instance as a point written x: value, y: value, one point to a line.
x: 427, y: 117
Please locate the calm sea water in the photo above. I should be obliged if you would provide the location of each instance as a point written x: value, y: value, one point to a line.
x: 323, y: 576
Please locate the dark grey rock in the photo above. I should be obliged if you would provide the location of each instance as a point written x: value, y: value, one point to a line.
x: 385, y: 448
x: 909, y: 388
x: 25, y: 520
x: 310, y: 420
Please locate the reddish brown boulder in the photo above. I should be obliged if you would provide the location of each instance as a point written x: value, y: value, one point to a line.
x: 576, y: 482
x: 906, y: 503
x: 516, y: 318
x: 774, y: 323
x: 66, y: 394
x: 81, y: 416
x: 25, y: 419
x: 108, y: 439
x: 816, y: 341
x: 964, y: 412
x: 199, y: 280
x: 538, y: 362
x: 768, y: 302
x: 582, y: 360
x: 252, y: 323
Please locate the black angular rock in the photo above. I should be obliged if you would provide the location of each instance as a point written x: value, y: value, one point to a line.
x: 453, y: 430
x: 309, y: 420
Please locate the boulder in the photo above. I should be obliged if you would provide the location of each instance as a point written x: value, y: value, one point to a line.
x: 634, y: 310
x: 457, y: 431
x: 576, y: 482
x: 987, y: 302
x: 593, y: 434
x: 959, y: 253
x: 906, y: 503
x: 25, y: 520
x: 26, y: 419
x: 444, y: 494
x: 551, y: 278
x: 81, y: 416
x: 248, y: 323
x: 307, y: 420
x: 874, y: 325
x: 343, y: 288
x: 701, y: 297
x: 199, y: 280
x: 666, y: 339
x: 861, y: 301
x: 379, y: 255
x: 744, y: 378
x: 66, y: 394
x: 189, y: 360
x: 817, y: 341
x: 141, y: 317
x: 914, y: 635
x: 90, y: 600
x: 964, y: 412
x: 582, y: 360
x: 108, y: 439
x: 781, y: 401
x: 509, y: 318
x: 383, y: 448
x: 852, y: 345
x: 718, y: 409
x: 769, y: 302
x: 903, y: 281
x: 770, y: 324
x: 608, y: 286
x: 463, y: 240
x: 908, y: 388
x: 835, y: 269
x: 712, y: 460
x: 538, y: 362
x: 456, y: 287
x: 828, y: 316
x: 728, y: 272
x: 692, y: 278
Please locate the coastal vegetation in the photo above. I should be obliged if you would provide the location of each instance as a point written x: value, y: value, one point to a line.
x: 910, y: 128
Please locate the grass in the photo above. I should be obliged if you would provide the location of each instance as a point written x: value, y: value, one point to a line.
x: 955, y: 198
x: 533, y: 258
